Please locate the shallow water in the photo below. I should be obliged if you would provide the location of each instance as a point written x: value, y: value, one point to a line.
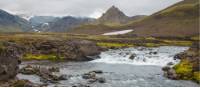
x: 118, y: 69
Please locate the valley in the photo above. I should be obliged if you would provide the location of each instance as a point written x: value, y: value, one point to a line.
x: 114, y: 50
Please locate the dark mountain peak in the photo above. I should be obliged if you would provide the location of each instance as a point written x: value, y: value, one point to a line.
x: 113, y: 15
x: 114, y: 11
x: 113, y: 8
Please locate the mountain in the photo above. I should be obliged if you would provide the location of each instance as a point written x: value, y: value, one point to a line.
x: 12, y: 23
x: 109, y: 21
x: 113, y: 16
x: 67, y: 23
x: 181, y: 19
x: 41, y: 23
x: 38, y: 20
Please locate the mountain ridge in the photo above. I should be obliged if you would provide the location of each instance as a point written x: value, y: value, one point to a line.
x: 13, y: 23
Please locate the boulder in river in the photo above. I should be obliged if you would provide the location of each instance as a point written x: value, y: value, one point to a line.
x: 170, y: 63
x: 90, y: 75
x: 132, y: 56
x: 80, y: 85
x: 46, y: 74
x: 101, y: 80
x: 97, y: 71
x: 153, y: 53
x: 169, y: 72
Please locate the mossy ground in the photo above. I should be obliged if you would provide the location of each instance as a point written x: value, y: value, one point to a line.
x: 118, y: 41
x: 184, y: 70
x: 41, y: 57
x: 113, y: 45
x: 196, y: 76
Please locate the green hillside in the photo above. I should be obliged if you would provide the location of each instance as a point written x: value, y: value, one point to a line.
x: 181, y: 19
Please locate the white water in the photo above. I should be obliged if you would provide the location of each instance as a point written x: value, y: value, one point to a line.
x: 118, y: 70
x: 118, y: 32
x: 165, y: 54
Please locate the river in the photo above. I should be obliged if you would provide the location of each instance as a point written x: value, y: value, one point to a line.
x: 118, y: 69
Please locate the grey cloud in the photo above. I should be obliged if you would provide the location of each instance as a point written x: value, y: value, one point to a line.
x: 92, y: 8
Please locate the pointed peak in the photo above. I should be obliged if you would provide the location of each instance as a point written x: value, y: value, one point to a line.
x: 113, y: 8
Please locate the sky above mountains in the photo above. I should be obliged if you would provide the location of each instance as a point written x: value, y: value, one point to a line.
x: 83, y: 8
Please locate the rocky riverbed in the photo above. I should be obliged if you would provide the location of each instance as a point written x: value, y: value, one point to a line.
x: 130, y: 67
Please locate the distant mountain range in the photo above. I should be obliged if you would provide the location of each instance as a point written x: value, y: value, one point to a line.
x: 23, y: 23
x: 13, y: 23
x: 67, y: 23
x: 180, y: 19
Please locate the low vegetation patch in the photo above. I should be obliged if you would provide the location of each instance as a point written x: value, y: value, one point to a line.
x: 184, y: 69
x: 195, y: 38
x: 178, y: 43
x: 41, y: 57
x: 113, y: 45
x: 196, y: 76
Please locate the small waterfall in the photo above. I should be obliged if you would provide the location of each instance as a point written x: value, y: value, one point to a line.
x: 159, y: 56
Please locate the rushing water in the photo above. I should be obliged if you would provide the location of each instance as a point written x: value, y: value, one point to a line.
x: 119, y: 70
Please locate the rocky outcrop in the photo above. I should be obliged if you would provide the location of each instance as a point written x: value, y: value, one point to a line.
x: 188, y: 68
x: 46, y: 74
x: 9, y: 60
x: 74, y: 50
x: 69, y: 50
x: 20, y: 83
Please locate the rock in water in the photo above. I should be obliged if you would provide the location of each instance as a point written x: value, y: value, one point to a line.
x: 90, y: 75
x: 97, y: 71
x: 132, y: 56
x: 101, y: 80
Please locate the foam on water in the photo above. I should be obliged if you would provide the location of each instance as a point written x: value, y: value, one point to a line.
x: 144, y: 56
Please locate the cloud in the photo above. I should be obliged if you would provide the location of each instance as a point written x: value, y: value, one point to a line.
x: 88, y: 8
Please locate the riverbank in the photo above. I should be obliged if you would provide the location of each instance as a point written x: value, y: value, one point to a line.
x: 144, y: 70
x: 188, y: 68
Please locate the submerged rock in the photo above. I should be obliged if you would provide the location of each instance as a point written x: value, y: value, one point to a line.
x: 97, y: 71
x: 153, y: 53
x: 80, y: 85
x: 101, y: 80
x: 170, y: 63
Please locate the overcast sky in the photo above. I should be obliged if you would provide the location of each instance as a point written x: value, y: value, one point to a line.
x: 84, y: 8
